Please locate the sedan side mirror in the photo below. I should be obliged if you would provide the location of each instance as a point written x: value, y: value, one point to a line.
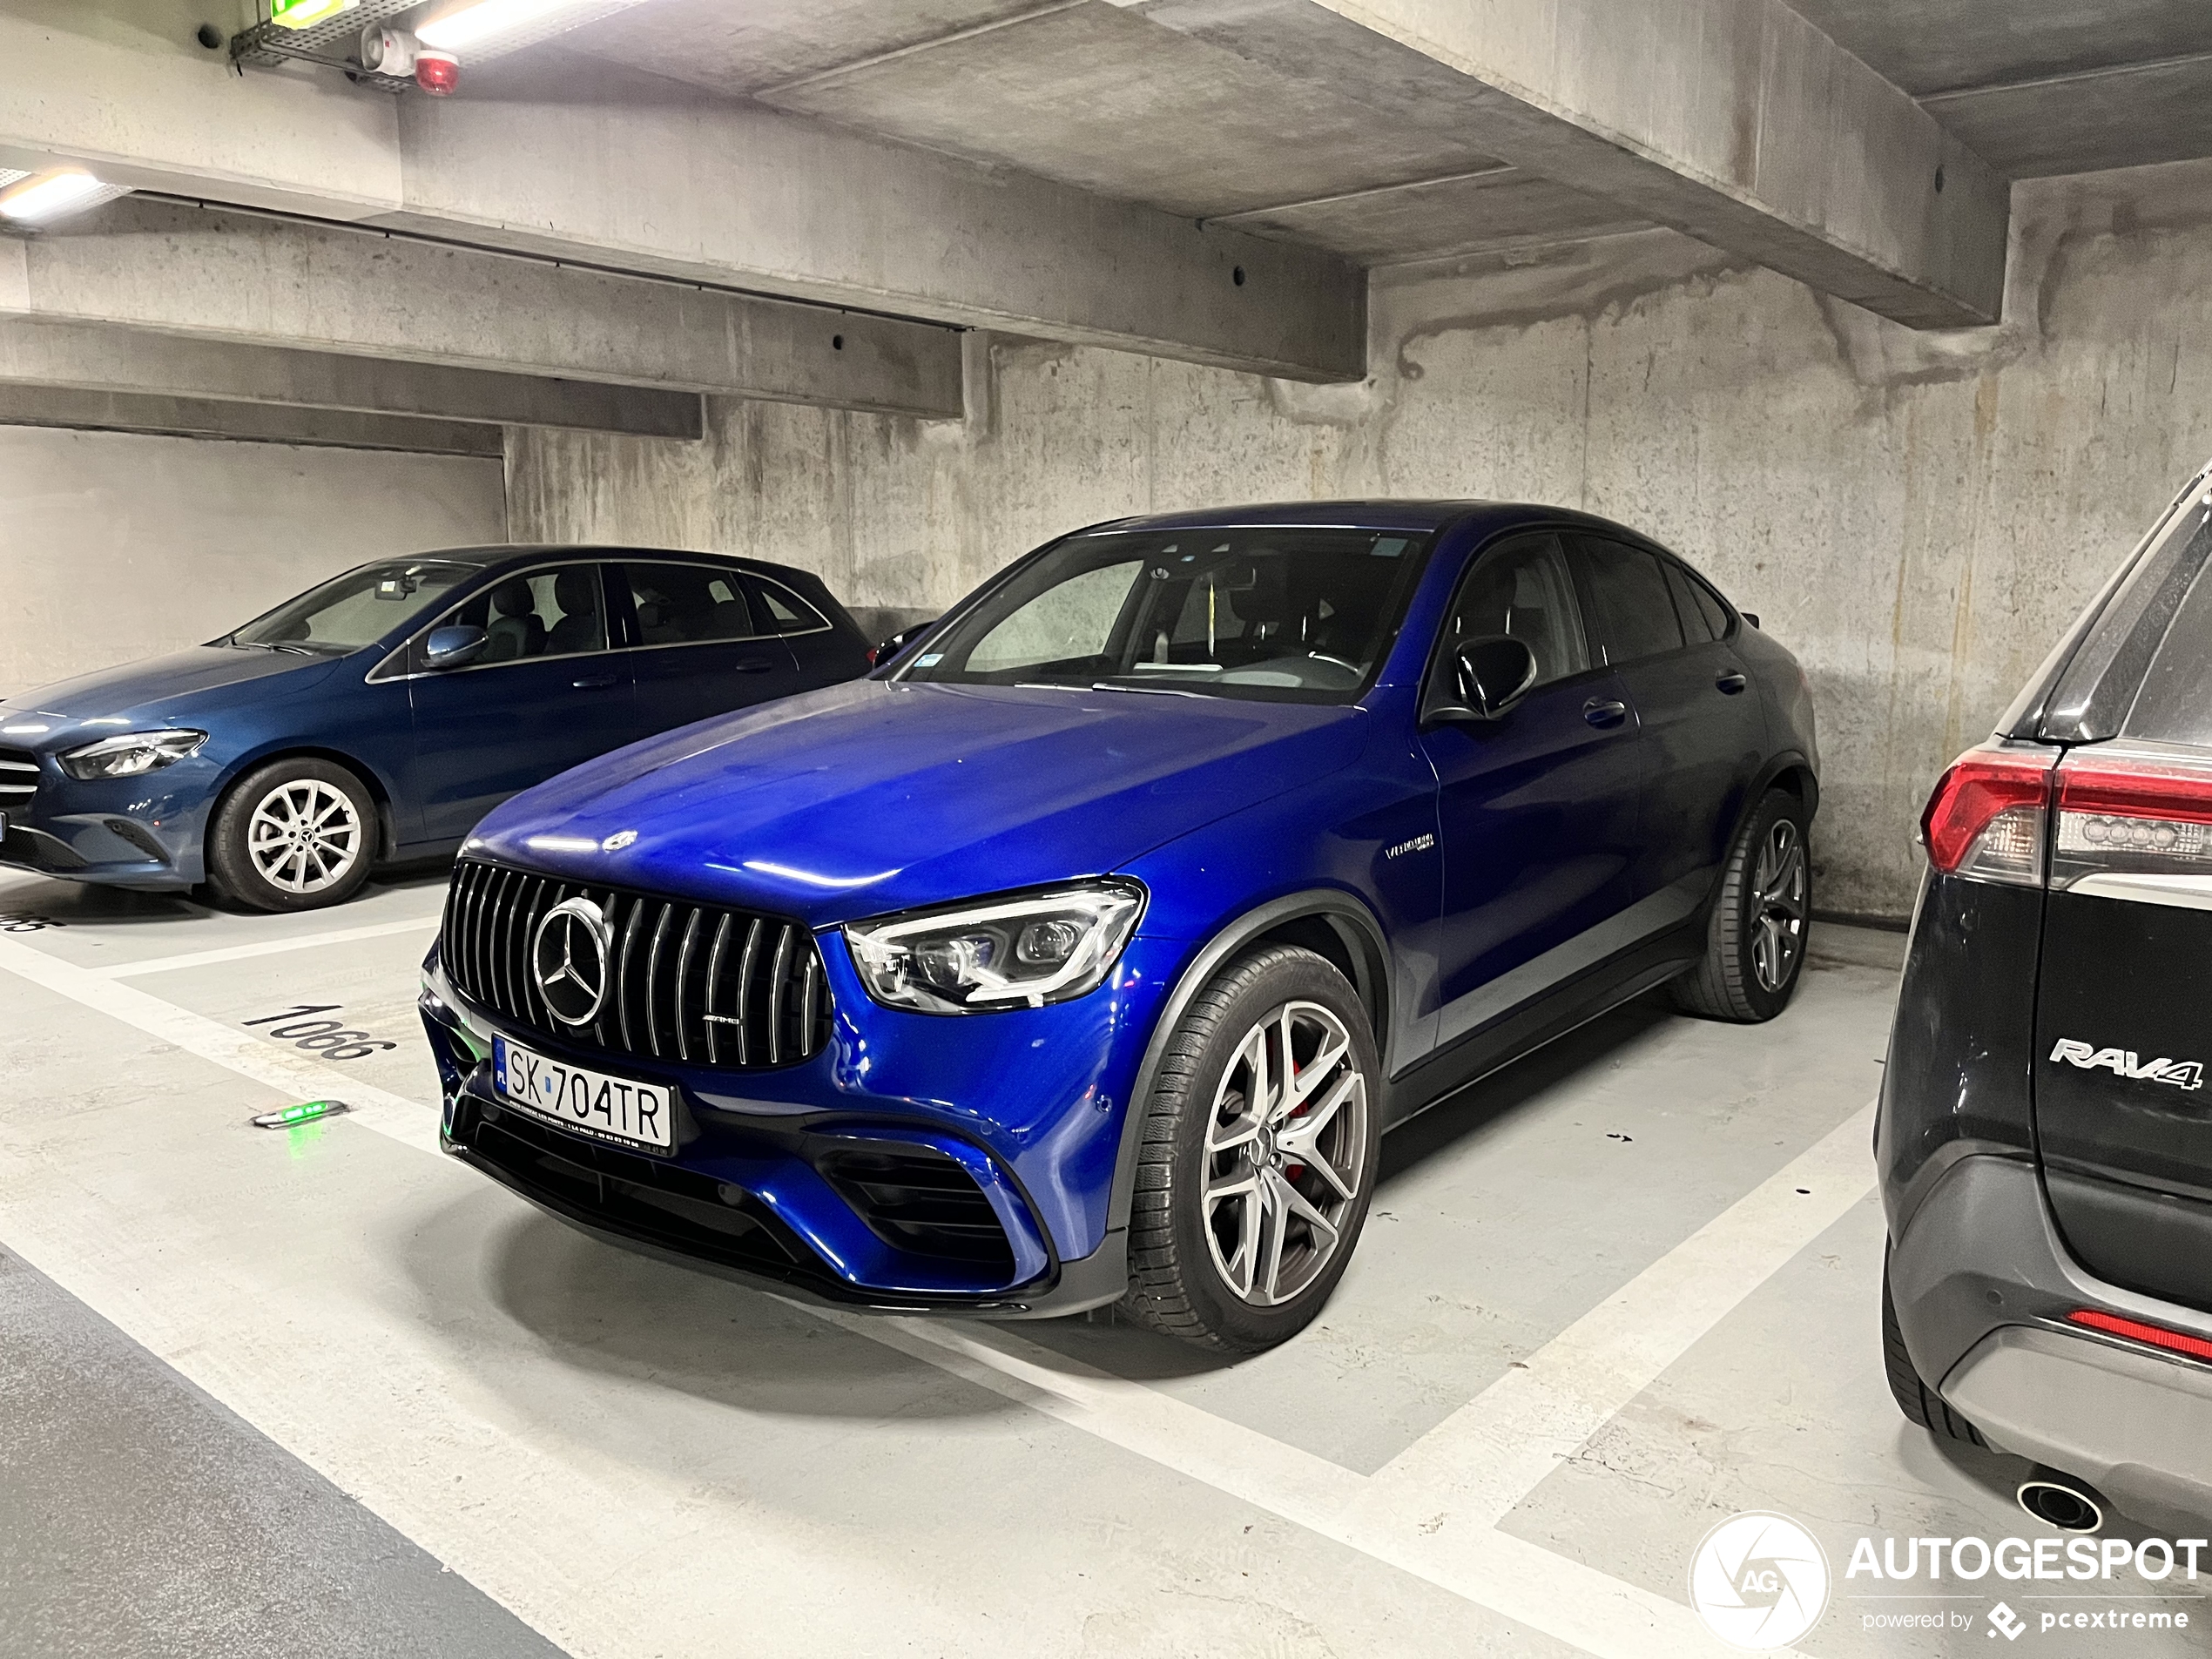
x: 900, y: 641
x: 453, y: 647
x: 1483, y: 678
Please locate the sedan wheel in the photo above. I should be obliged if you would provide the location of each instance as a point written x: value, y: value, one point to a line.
x: 1286, y: 1149
x: 1256, y: 1155
x: 294, y: 835
x: 304, y: 836
x: 1755, y: 941
x: 1778, y: 938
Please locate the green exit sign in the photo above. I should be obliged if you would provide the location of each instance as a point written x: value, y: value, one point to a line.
x: 303, y: 14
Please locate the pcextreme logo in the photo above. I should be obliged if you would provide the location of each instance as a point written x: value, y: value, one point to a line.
x: 2123, y: 1062
x: 1760, y: 1581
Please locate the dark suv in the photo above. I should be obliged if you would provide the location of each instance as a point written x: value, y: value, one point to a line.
x: 2044, y: 1137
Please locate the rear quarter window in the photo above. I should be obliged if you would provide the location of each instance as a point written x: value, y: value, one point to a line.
x: 2174, y: 705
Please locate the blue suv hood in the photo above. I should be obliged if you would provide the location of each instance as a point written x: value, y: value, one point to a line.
x: 164, y: 686
x: 872, y: 796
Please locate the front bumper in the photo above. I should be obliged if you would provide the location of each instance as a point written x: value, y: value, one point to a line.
x: 144, y: 832
x: 1012, y: 1120
x: 1983, y: 1285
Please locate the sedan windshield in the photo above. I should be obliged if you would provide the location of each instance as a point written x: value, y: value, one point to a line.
x: 1291, y: 615
x: 355, y: 610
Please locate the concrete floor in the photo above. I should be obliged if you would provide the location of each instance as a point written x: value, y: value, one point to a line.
x: 258, y: 1388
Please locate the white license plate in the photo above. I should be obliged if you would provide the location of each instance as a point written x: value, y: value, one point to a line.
x: 614, y: 1109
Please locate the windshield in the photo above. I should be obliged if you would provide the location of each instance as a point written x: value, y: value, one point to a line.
x: 355, y: 610
x: 1291, y: 615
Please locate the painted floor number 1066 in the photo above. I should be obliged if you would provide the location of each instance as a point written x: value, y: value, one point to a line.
x: 330, y: 1038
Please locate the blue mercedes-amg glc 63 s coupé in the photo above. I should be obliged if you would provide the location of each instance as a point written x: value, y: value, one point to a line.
x: 1082, y: 953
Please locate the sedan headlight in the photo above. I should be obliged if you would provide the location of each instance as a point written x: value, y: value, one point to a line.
x: 1022, y: 950
x: 130, y: 753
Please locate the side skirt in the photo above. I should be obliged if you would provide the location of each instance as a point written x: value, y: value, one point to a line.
x: 1551, y: 1017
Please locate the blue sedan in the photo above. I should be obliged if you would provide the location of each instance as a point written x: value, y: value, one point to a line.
x: 1083, y: 951
x: 379, y: 716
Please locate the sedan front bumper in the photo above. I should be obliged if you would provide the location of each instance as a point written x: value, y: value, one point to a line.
x: 917, y: 1163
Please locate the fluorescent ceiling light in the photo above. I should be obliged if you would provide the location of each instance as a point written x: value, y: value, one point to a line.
x: 505, y: 24
x: 53, y: 195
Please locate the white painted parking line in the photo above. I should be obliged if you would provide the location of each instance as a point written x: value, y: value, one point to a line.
x: 287, y: 1070
x: 1413, y: 1531
x: 271, y: 947
x: 1432, y: 1512
x: 1499, y: 1448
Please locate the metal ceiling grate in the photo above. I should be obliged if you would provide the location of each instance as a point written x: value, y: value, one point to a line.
x: 332, y: 41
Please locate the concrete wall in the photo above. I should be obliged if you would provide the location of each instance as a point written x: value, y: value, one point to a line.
x: 1917, y: 515
x: 116, y: 545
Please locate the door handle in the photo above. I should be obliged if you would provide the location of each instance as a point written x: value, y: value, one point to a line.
x: 1604, y: 711
x: 1732, y: 682
x: 752, y: 665
x: 598, y: 684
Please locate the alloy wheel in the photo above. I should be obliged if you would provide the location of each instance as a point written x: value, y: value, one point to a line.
x: 304, y: 836
x: 1778, y: 900
x: 1286, y: 1150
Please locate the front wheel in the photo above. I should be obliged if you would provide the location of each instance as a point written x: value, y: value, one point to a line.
x: 1258, y: 1155
x: 1755, y: 944
x: 295, y: 834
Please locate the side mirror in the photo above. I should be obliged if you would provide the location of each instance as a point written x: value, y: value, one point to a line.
x: 1751, y: 616
x: 1483, y: 678
x: 453, y: 647
x: 900, y: 641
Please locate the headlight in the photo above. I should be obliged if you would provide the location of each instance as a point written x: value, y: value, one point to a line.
x: 131, y: 753
x: 1022, y: 950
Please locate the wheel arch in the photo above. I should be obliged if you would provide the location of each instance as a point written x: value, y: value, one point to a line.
x: 1331, y: 923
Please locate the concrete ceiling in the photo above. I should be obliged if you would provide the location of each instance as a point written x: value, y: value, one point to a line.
x: 1097, y: 94
x: 2044, y: 86
x: 1094, y: 94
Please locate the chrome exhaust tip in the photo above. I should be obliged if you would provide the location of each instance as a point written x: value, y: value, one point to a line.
x: 2061, y: 1500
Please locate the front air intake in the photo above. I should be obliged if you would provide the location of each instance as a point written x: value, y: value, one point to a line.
x: 693, y: 983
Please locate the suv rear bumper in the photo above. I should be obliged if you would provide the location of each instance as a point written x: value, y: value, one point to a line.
x: 1984, y: 1286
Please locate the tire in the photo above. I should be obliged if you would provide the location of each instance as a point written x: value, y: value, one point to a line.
x: 264, y: 850
x: 1755, y: 944
x: 1919, y: 1403
x: 1252, y: 1266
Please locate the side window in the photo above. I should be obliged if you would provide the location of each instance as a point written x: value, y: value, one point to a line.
x: 1700, y: 622
x: 1636, y: 614
x: 783, y: 611
x: 546, y: 613
x: 1522, y: 588
x: 685, y: 605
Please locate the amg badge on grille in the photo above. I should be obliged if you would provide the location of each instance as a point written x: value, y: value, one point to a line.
x: 2123, y: 1062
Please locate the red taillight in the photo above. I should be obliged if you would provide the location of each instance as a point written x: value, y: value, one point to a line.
x: 1982, y: 786
x: 2136, y: 1331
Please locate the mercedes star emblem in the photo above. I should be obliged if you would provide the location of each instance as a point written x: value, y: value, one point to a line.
x: 569, y: 958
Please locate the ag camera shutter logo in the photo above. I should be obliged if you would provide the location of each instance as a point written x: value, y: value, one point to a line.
x: 1760, y: 1581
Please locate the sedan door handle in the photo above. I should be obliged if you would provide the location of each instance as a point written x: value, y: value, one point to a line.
x: 600, y: 684
x: 1731, y: 682
x: 752, y: 665
x: 1604, y: 711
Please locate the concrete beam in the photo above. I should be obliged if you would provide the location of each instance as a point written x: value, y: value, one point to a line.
x: 1736, y: 121
x: 94, y: 358
x: 188, y: 270
x: 184, y: 417
x: 576, y: 159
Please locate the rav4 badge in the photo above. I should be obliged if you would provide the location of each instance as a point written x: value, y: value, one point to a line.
x: 2122, y: 1062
